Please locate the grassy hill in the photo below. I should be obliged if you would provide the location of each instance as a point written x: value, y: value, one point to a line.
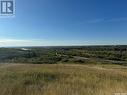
x: 79, y: 70
x: 61, y: 79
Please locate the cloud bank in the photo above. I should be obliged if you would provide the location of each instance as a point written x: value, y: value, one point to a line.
x: 37, y: 42
x: 40, y: 42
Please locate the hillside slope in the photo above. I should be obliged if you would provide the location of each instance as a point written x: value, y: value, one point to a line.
x: 31, y: 79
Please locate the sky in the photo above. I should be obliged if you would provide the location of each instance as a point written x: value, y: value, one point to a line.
x: 65, y: 23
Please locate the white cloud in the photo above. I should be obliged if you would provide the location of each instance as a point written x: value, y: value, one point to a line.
x: 17, y: 42
x: 95, y: 21
x: 38, y: 42
x: 117, y: 19
x: 99, y: 20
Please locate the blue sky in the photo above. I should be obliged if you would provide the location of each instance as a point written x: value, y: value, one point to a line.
x: 65, y: 22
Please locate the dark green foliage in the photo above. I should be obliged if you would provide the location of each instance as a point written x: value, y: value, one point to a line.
x: 53, y: 55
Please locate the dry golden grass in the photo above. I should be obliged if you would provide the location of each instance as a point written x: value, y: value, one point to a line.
x: 29, y: 79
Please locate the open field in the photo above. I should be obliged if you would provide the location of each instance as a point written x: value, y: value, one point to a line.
x: 61, y: 79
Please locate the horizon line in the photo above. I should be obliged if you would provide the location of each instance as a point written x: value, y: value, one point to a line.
x: 63, y: 46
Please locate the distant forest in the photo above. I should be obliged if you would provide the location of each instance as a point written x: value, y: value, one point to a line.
x: 67, y: 54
